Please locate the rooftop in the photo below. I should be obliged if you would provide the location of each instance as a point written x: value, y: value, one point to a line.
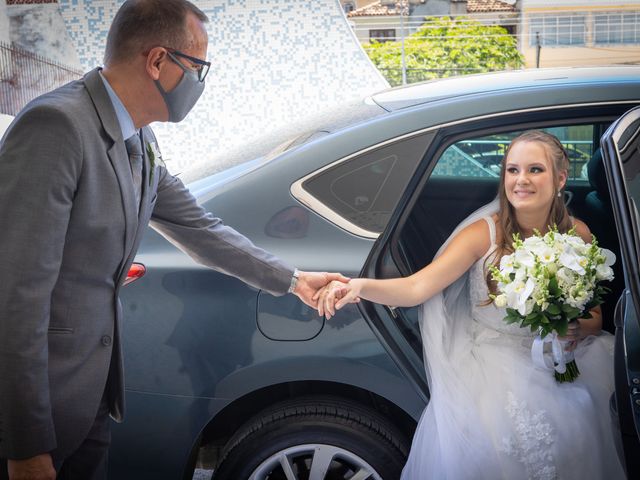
x: 487, y: 6
x: 378, y: 9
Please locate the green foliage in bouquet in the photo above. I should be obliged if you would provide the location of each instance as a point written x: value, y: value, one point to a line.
x: 551, y: 280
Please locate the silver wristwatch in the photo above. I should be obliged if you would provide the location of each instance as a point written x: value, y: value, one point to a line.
x: 294, y: 281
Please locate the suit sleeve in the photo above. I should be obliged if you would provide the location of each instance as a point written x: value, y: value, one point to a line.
x: 40, y: 160
x: 204, y: 237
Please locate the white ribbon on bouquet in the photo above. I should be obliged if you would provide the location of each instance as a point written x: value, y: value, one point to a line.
x: 550, y: 360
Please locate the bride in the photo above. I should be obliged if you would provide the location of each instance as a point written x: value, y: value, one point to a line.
x: 492, y: 413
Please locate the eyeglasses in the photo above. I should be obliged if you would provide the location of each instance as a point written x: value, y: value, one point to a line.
x: 202, y: 66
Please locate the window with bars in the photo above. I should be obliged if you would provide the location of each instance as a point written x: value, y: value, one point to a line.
x: 554, y: 30
x: 616, y: 28
x: 383, y: 35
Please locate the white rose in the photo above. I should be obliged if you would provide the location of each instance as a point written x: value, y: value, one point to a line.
x: 603, y: 272
x: 501, y: 301
x: 534, y: 243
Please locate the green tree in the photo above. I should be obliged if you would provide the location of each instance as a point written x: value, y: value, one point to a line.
x: 443, y: 47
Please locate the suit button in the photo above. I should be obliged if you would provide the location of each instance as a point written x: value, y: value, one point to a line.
x: 106, y: 340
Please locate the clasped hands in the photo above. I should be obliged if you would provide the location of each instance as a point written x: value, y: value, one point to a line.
x: 326, y: 292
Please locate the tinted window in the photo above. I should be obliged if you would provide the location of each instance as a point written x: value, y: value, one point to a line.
x: 481, y: 157
x: 365, y: 189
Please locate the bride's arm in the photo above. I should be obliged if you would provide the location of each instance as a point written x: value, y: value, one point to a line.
x: 465, y: 249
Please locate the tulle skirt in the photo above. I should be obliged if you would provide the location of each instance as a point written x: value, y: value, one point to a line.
x: 513, y: 421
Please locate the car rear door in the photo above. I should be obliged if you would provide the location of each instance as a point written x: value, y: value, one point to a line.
x: 621, y: 152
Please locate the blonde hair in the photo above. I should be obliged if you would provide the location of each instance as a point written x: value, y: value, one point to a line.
x: 558, y: 215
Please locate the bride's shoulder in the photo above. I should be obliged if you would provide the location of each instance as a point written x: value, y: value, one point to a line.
x: 478, y: 236
x: 582, y: 230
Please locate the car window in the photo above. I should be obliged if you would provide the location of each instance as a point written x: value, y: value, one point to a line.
x: 365, y: 189
x: 481, y: 156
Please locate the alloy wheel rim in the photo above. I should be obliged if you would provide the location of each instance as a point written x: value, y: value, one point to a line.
x: 314, y: 462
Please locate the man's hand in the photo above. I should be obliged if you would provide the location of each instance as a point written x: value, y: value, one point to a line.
x: 310, y: 282
x: 39, y: 467
x: 336, y: 295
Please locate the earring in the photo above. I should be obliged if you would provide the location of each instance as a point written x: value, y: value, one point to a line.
x: 559, y: 194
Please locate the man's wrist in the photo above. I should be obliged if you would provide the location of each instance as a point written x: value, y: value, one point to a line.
x: 294, y: 281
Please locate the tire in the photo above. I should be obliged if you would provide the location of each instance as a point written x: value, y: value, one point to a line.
x: 344, y: 437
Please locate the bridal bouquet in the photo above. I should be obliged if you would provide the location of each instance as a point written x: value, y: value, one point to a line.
x: 548, y: 281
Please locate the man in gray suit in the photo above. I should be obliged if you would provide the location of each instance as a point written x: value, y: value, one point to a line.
x: 74, y: 203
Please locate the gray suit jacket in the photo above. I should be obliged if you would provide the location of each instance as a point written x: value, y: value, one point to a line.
x: 70, y: 232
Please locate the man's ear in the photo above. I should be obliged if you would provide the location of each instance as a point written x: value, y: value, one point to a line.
x: 156, y: 59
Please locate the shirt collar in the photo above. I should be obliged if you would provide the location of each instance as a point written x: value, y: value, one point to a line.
x: 124, y: 119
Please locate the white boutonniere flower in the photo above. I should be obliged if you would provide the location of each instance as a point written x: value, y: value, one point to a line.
x: 155, y: 158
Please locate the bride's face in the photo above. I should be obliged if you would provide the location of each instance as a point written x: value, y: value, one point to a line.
x: 529, y: 177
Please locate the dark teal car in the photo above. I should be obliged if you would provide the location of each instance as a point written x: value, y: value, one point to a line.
x: 260, y: 387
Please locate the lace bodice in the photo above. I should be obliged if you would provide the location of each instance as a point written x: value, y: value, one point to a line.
x: 489, y: 315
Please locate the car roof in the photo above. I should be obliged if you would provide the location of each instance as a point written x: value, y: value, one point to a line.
x: 449, y: 88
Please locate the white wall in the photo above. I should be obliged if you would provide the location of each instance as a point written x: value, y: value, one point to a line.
x: 4, y: 23
x: 551, y: 4
x: 40, y: 29
x: 5, y: 120
x: 5, y: 69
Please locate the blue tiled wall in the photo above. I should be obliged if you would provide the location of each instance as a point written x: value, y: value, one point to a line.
x: 274, y: 62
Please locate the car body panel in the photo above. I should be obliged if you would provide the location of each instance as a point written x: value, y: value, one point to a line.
x: 198, y: 342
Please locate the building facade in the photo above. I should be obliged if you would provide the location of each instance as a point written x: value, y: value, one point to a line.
x: 385, y: 20
x: 580, y: 32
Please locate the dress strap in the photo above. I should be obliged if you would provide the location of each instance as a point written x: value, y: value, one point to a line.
x: 492, y: 230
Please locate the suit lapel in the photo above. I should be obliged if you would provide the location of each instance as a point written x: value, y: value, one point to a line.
x: 117, y: 154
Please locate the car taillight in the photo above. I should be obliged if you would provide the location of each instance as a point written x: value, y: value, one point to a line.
x: 136, y: 271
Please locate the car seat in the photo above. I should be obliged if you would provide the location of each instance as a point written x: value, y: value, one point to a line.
x: 601, y: 222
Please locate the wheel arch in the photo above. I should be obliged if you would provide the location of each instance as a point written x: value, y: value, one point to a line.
x: 228, y: 420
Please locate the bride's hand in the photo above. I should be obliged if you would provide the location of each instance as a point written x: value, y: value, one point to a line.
x: 334, y: 296
x: 573, y: 336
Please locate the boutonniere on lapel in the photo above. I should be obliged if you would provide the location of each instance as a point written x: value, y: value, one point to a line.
x: 155, y: 158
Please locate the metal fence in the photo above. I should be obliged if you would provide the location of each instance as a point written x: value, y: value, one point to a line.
x: 25, y: 75
x: 413, y: 75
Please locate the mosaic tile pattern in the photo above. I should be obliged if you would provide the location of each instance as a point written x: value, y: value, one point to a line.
x: 273, y: 62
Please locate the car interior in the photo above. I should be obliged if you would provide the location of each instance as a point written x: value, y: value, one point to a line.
x: 446, y: 197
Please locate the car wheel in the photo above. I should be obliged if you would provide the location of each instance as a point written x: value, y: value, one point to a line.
x: 315, y: 439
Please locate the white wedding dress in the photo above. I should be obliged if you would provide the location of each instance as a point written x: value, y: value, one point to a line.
x: 493, y: 414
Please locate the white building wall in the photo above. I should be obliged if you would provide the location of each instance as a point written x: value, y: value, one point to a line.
x: 5, y: 67
x: 4, y: 23
x: 40, y: 29
x: 551, y: 4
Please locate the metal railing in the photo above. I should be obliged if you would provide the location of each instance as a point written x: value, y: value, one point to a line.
x: 25, y: 75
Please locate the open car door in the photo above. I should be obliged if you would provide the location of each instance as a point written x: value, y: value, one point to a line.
x: 621, y: 152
